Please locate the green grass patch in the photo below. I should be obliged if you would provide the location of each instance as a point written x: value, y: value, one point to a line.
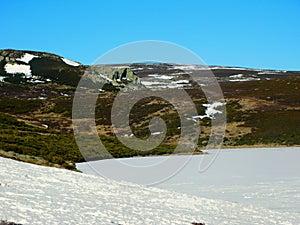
x: 279, y: 127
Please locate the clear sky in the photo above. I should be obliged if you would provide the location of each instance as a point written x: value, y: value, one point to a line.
x: 254, y: 33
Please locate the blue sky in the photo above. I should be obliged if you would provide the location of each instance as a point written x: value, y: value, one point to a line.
x: 260, y: 34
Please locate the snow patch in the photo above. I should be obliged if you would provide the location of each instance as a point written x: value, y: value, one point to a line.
x: 271, y: 72
x: 229, y: 68
x: 2, y: 79
x: 26, y: 58
x: 119, y: 67
x: 191, y: 67
x: 161, y: 77
x: 237, y: 76
x: 210, y: 111
x: 138, y: 68
x: 175, y: 85
x: 70, y: 62
x: 214, y: 105
x: 37, y: 81
x: 150, y: 83
x: 181, y: 82
x: 105, y: 77
x: 243, y: 80
x: 17, y: 68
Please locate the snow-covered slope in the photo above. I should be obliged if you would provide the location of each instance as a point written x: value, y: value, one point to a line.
x: 31, y: 67
x: 158, y: 76
x: 31, y: 194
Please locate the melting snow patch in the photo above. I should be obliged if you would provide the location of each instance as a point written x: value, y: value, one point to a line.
x: 172, y: 85
x: 228, y: 68
x: 191, y: 67
x: 2, y: 79
x: 37, y: 81
x: 138, y: 68
x: 210, y: 111
x: 245, y: 79
x: 70, y: 62
x: 181, y: 82
x: 17, y: 68
x: 237, y: 76
x: 105, y: 77
x: 119, y: 67
x: 272, y: 72
x: 27, y: 58
x: 161, y: 77
x: 150, y: 83
x: 175, y: 85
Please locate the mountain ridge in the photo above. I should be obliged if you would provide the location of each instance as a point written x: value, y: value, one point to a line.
x: 41, y: 67
x: 262, y: 107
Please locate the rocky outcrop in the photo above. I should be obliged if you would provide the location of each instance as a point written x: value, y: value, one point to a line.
x: 120, y: 77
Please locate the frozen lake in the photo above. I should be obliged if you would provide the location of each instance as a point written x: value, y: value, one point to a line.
x: 265, y: 177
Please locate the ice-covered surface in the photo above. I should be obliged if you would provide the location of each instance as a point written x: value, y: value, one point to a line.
x: 17, y: 68
x: 31, y: 194
x: 267, y: 178
x: 262, y: 177
x: 26, y: 58
x: 70, y: 62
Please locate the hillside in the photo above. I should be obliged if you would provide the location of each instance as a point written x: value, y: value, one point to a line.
x: 37, y: 90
